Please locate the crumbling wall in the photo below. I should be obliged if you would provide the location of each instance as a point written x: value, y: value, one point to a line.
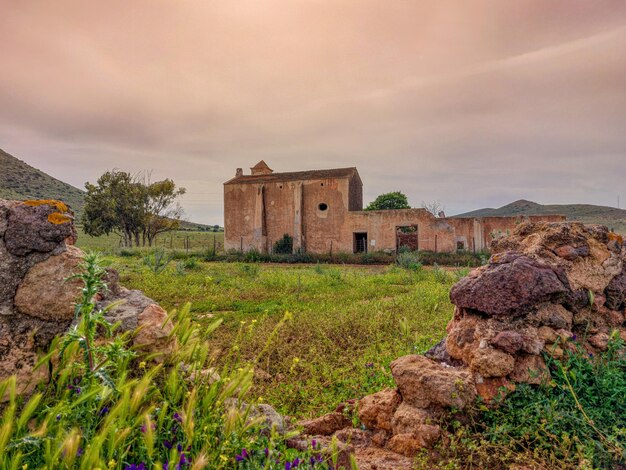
x: 38, y: 296
x: 548, y: 288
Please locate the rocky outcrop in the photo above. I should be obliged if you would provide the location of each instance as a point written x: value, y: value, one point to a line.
x: 548, y: 288
x: 38, y: 294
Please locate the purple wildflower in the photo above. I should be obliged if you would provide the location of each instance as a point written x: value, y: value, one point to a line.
x: 178, y: 417
x: 168, y: 445
x: 184, y: 460
x: 58, y: 417
x: 243, y: 456
x: 179, y: 447
x: 314, y: 444
x: 103, y: 411
x: 133, y: 466
x: 266, y: 451
x: 79, y: 452
x: 369, y: 365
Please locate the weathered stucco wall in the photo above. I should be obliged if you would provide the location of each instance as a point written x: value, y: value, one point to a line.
x: 323, y: 214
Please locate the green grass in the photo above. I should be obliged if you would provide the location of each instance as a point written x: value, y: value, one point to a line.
x: 347, y: 325
x: 200, y: 242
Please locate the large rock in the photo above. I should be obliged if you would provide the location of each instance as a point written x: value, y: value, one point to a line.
x: 489, y: 362
x: 423, y: 382
x: 154, y: 332
x: 510, y: 286
x: 376, y: 411
x: 38, y: 226
x: 326, y: 425
x: 48, y: 291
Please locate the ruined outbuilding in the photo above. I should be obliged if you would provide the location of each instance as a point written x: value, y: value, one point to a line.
x: 322, y: 210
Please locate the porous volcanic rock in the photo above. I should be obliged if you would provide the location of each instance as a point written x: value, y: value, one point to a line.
x: 376, y: 411
x: 510, y: 286
x: 423, y: 382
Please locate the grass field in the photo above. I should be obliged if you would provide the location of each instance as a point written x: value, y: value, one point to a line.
x: 345, y: 324
x: 192, y: 241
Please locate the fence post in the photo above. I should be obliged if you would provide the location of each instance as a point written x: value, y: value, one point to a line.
x: 435, y: 243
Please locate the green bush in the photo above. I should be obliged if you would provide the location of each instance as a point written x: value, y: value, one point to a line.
x: 284, y: 245
x: 409, y: 260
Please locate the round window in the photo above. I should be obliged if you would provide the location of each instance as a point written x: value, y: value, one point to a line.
x: 323, y: 206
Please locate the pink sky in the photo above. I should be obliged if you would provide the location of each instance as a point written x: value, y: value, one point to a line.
x: 470, y: 102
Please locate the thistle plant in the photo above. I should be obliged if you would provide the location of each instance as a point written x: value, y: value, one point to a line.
x: 98, y: 358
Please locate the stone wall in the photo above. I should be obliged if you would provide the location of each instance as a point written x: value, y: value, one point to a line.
x: 548, y: 288
x: 37, y: 300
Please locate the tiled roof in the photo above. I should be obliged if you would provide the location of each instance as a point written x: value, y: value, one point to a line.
x: 295, y: 176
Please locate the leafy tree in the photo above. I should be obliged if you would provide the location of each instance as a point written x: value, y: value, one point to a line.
x: 116, y: 204
x: 387, y: 201
x: 131, y: 207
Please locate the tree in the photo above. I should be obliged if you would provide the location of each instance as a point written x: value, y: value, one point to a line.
x: 394, y: 200
x: 131, y: 207
x: 435, y: 208
x: 162, y: 213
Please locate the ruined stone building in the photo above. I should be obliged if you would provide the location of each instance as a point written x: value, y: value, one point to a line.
x: 323, y: 211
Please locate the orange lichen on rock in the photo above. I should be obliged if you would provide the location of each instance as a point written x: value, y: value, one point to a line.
x: 58, y: 205
x: 57, y: 218
x: 617, y: 237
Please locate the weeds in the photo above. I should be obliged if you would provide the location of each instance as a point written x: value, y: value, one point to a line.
x: 575, y: 420
x: 145, y: 415
x: 157, y: 260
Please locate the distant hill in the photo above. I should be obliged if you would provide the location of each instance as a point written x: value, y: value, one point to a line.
x: 612, y: 217
x: 19, y: 180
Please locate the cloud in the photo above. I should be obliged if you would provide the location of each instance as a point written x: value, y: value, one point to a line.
x: 473, y: 103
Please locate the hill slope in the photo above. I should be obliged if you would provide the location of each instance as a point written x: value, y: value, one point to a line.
x: 612, y: 217
x: 19, y: 180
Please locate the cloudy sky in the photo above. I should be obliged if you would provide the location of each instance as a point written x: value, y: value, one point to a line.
x: 472, y: 103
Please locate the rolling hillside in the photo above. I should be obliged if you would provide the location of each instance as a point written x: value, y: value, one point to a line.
x: 19, y: 180
x: 612, y: 217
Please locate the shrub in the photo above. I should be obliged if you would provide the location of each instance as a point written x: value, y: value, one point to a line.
x: 284, y: 245
x: 409, y: 260
x: 157, y: 261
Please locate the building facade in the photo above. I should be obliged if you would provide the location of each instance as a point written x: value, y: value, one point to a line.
x: 322, y: 210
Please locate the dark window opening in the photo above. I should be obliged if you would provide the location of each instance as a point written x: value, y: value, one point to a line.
x: 321, y: 184
x: 360, y: 242
x: 323, y: 206
x: 460, y: 246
